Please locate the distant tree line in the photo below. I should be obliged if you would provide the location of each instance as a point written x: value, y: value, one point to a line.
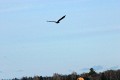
x: 91, y: 75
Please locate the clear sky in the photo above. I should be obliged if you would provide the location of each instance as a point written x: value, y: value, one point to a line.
x: 89, y: 36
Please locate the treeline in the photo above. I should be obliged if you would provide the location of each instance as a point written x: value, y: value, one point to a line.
x: 91, y: 75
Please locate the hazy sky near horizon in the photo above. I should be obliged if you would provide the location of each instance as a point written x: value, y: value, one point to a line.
x: 88, y: 37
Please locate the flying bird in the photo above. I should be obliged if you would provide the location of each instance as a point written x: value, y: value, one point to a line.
x: 58, y: 21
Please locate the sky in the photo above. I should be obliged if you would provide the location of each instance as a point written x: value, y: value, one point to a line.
x: 89, y: 36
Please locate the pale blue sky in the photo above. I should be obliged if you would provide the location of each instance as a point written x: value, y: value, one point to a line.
x: 89, y: 36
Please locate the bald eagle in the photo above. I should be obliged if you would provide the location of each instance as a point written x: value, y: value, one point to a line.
x: 58, y: 21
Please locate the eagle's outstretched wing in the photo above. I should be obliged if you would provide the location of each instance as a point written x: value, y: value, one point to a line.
x: 61, y: 18
x: 51, y: 21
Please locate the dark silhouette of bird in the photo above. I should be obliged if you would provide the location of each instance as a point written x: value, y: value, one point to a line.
x: 58, y: 21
